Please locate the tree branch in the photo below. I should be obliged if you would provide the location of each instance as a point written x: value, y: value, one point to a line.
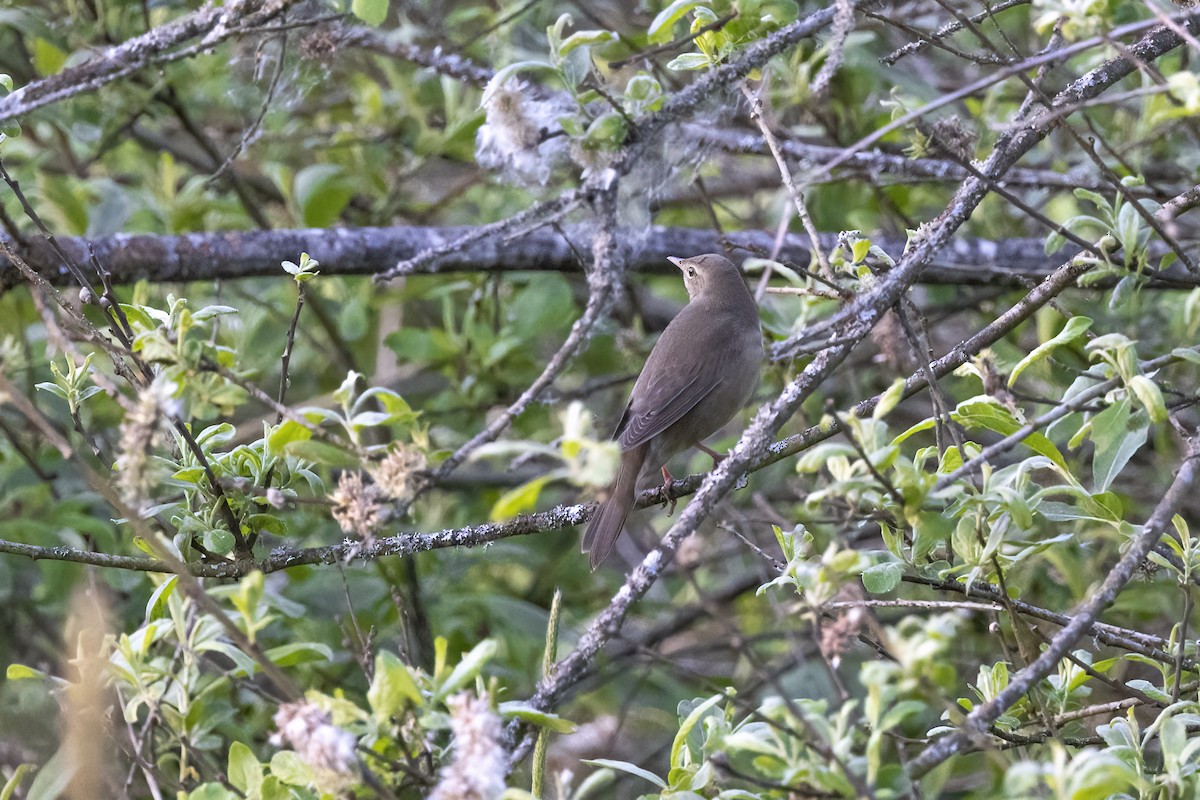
x: 214, y: 24
x: 231, y: 255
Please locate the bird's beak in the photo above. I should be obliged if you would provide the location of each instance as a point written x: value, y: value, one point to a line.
x: 676, y: 261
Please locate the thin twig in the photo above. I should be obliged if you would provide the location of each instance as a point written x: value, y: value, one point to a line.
x: 756, y: 114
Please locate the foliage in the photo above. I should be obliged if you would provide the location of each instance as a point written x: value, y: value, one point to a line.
x: 311, y: 577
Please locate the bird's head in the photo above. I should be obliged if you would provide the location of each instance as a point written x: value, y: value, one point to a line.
x: 708, y: 273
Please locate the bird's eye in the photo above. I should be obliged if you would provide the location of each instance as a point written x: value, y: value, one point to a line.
x: 691, y: 272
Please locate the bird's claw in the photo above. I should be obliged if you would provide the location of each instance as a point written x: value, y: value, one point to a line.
x: 668, y: 484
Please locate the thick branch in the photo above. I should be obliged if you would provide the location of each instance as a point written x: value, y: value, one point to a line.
x: 370, y: 251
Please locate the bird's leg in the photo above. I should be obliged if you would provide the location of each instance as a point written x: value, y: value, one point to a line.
x: 713, y: 454
x: 668, y: 482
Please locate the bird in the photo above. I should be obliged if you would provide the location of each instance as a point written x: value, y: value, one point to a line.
x: 703, y: 368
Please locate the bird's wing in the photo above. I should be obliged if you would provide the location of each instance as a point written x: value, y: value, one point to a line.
x: 662, y: 403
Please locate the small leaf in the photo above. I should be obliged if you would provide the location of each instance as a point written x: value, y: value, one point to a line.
x: 686, y: 726
x: 52, y: 388
x: 284, y: 434
x: 213, y: 311
x: 290, y: 768
x: 1148, y: 688
x: 465, y: 671
x: 1074, y: 328
x: 1150, y: 396
x: 321, y: 453
x: 542, y: 719
x: 889, y: 399
x: 245, y: 773
x: 660, y: 30
x: 582, y: 38
x: 689, y: 61
x: 521, y: 499
x: 372, y: 12
x: 607, y: 132
x: 1115, y: 442
x: 20, y: 672
x: 860, y: 249
x: 626, y: 767
x: 392, y: 686
x: 287, y: 655
x: 321, y: 192
x: 1183, y: 353
x: 882, y: 578
x: 157, y: 604
x: 53, y: 778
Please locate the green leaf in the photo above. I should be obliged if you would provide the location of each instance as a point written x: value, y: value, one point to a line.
x: 156, y: 606
x: 882, y: 578
x: 289, y: 767
x: 1116, y: 442
x: 1150, y: 396
x: 626, y: 767
x: 1189, y: 354
x: 47, y: 58
x: 1074, y: 328
x: 923, y: 425
x: 392, y: 686
x: 607, y: 132
x: 686, y: 726
x: 465, y: 671
x: 245, y: 664
x: 218, y: 540
x: 284, y: 434
x: 689, y: 61
x: 372, y: 12
x: 53, y: 778
x: 519, y: 500
x: 1148, y: 688
x: 890, y: 397
x: 245, y: 773
x: 20, y: 672
x: 193, y: 476
x: 52, y: 388
x: 859, y: 250
x: 661, y: 29
x: 526, y: 712
x: 985, y: 411
x: 321, y: 453
x: 321, y: 192
x: 585, y: 38
x: 287, y: 655
x: 213, y: 311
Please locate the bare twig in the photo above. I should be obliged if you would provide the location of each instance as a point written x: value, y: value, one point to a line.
x: 756, y: 114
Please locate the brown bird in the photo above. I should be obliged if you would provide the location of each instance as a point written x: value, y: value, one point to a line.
x: 701, y: 371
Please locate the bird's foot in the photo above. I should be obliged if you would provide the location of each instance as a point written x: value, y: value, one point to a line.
x: 668, y: 484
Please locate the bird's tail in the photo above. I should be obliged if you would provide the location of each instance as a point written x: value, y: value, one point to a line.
x: 606, y: 525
